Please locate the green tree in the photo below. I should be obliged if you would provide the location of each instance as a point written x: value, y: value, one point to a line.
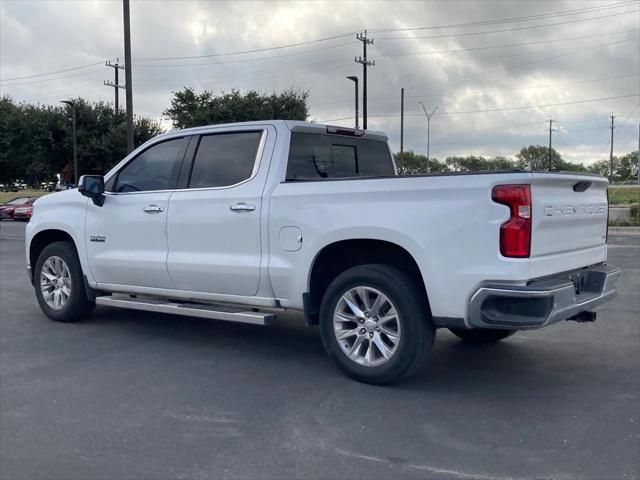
x: 416, y: 164
x: 190, y: 109
x: 470, y: 163
x: 536, y: 157
x: 625, y: 168
x: 502, y: 163
x: 36, y: 140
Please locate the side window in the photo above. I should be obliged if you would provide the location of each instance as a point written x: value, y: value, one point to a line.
x: 156, y: 168
x: 314, y: 156
x: 224, y: 159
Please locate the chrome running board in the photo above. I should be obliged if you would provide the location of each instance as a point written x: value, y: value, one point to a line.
x: 216, y: 312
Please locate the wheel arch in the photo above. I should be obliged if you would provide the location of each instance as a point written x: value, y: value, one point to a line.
x: 338, y: 256
x: 43, y: 238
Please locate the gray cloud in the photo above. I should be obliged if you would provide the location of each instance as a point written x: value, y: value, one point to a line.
x: 458, y: 73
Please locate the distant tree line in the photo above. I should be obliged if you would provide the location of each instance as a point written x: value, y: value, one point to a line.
x: 533, y: 157
x: 191, y: 109
x: 36, y: 140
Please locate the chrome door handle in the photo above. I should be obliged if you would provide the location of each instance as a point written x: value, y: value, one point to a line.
x: 153, y: 209
x: 243, y: 207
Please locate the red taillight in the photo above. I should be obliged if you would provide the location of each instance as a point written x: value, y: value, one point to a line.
x: 515, y: 233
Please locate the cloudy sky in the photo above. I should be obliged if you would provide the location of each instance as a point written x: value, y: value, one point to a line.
x: 496, y: 70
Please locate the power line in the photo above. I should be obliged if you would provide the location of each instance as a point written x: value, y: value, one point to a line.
x: 517, y: 65
x: 51, y: 73
x: 529, y: 107
x: 52, y: 79
x: 243, y: 52
x: 518, y: 135
x: 561, y: 13
x: 279, y: 47
x: 483, y: 92
x: 214, y: 63
x: 514, y: 29
x: 246, y: 60
x: 343, y: 35
x: 508, y: 45
x: 257, y: 77
x: 62, y: 93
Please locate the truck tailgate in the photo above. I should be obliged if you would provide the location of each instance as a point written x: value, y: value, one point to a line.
x: 569, y: 229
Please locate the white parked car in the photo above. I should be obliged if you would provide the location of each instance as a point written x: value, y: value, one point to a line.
x: 239, y: 222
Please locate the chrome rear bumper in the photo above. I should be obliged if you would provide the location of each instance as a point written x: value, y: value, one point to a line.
x: 543, y: 302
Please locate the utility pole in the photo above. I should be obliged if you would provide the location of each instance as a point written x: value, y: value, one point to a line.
x: 551, y: 130
x: 402, y: 131
x: 127, y: 73
x: 365, y: 63
x: 75, y: 142
x: 116, y: 66
x: 611, y: 150
x: 428, y: 115
x: 354, y: 79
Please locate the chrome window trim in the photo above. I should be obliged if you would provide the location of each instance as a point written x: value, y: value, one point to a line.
x: 257, y: 161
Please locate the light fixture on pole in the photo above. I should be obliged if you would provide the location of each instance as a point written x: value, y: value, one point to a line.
x: 75, y: 143
x: 354, y: 79
x: 428, y: 115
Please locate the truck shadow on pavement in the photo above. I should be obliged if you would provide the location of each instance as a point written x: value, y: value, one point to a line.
x: 294, y: 350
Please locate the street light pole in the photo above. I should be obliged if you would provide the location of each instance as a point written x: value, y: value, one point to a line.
x: 354, y: 79
x: 428, y: 115
x: 75, y: 142
x: 127, y: 74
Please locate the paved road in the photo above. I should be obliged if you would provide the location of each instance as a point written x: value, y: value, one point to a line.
x: 136, y: 395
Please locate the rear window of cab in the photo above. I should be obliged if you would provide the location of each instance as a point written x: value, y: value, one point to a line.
x: 315, y: 156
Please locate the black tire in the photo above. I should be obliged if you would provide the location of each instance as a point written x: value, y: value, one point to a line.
x: 417, y: 329
x: 480, y: 336
x: 77, y: 306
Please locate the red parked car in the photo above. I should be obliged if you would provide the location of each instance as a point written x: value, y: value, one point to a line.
x: 23, y: 213
x: 7, y: 210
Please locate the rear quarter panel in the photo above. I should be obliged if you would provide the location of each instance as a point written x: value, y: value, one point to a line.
x: 449, y: 224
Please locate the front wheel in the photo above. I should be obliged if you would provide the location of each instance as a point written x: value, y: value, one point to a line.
x: 375, y: 324
x: 59, y: 283
x: 481, y: 335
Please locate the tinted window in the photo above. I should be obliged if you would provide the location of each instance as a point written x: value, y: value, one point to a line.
x: 154, y: 169
x: 313, y: 156
x: 224, y: 159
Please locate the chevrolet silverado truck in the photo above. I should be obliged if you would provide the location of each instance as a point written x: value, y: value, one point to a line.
x: 240, y: 222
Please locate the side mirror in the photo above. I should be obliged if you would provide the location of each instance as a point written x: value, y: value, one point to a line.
x: 92, y: 186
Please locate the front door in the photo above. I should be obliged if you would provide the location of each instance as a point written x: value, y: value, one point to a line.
x: 126, y: 238
x: 214, y: 224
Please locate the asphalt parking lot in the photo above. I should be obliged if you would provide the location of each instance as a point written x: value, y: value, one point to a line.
x: 139, y: 395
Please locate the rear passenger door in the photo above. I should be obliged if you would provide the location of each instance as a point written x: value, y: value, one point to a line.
x: 214, y: 226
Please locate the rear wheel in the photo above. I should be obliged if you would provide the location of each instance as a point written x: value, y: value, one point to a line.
x: 375, y: 324
x: 59, y: 283
x: 481, y: 335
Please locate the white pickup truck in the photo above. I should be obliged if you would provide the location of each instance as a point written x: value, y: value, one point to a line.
x: 240, y: 222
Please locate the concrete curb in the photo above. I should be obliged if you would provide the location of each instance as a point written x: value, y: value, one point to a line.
x: 624, y: 230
